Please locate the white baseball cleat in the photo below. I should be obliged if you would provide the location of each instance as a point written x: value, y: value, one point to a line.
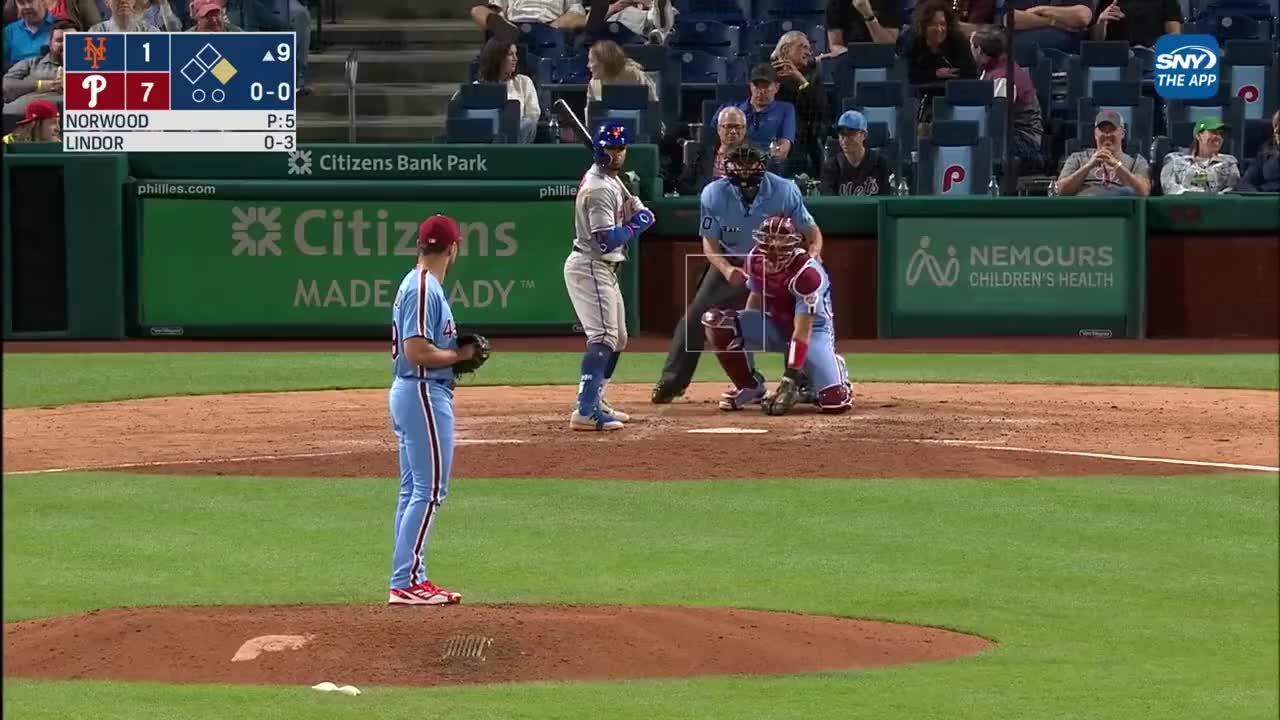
x: 598, y: 420
x: 618, y: 414
x: 739, y: 398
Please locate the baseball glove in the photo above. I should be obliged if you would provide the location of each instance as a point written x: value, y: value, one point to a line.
x: 785, y: 397
x: 479, y: 358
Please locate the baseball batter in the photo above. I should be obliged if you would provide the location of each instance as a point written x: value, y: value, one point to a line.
x: 607, y: 218
x: 424, y: 349
x: 789, y: 311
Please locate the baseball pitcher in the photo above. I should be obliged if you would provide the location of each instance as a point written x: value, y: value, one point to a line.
x: 427, y: 353
x: 789, y: 311
x: 607, y: 218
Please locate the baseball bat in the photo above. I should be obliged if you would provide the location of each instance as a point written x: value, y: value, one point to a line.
x: 567, y: 113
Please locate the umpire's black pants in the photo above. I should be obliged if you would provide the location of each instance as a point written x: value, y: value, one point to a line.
x: 688, y: 340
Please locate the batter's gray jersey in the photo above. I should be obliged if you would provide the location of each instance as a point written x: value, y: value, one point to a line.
x: 591, y: 276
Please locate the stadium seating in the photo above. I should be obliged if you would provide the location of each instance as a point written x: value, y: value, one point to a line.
x: 867, y: 62
x: 543, y: 40
x: 954, y: 160
x: 767, y: 9
x: 666, y: 75
x: 766, y: 33
x: 883, y: 102
x: 708, y: 36
x: 1099, y: 61
x: 628, y: 102
x: 974, y: 100
x: 487, y: 110
x: 1125, y: 98
x: 1251, y: 69
x: 1183, y: 115
x: 733, y: 12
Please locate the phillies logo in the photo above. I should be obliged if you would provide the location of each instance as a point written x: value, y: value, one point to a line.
x: 95, y: 84
x: 1250, y: 93
x: 951, y: 176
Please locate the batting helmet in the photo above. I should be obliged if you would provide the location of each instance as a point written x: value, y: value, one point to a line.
x: 610, y: 134
x: 778, y: 241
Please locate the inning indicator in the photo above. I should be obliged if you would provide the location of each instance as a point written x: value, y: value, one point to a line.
x: 179, y: 92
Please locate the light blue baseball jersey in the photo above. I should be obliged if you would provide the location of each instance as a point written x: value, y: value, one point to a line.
x: 421, y: 309
x: 726, y: 220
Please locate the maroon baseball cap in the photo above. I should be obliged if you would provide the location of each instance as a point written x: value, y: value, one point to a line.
x: 438, y: 231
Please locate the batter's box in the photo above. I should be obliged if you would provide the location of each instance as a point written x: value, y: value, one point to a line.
x: 706, y: 286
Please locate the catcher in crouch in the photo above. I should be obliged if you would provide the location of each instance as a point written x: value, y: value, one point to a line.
x: 788, y: 311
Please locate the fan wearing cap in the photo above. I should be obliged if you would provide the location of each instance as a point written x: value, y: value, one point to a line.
x: 1105, y: 169
x: 1203, y: 168
x: 771, y: 122
x: 211, y: 16
x: 856, y: 169
x: 424, y: 349
x: 39, y: 125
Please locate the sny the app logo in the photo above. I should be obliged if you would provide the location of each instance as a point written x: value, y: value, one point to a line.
x: 96, y: 54
x: 1187, y: 67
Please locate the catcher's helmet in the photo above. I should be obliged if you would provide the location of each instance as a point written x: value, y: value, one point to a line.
x: 777, y: 241
x: 610, y: 134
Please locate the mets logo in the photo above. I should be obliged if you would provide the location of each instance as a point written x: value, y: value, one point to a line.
x: 97, y: 54
x: 952, y: 176
x: 1250, y: 93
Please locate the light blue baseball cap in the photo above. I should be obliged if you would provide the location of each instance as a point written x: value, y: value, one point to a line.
x: 852, y: 120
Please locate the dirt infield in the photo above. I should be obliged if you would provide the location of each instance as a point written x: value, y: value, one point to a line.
x: 896, y: 430
x: 366, y: 645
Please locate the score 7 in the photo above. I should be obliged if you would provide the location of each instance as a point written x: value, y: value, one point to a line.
x: 146, y: 95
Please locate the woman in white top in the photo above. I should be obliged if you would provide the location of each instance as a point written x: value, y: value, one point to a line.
x: 608, y: 64
x: 498, y: 65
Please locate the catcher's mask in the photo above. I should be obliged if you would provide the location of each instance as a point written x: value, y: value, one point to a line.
x: 778, y: 242
x: 745, y: 167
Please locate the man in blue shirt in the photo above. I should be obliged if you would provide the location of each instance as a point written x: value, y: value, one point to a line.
x: 771, y: 123
x: 732, y: 207
x: 26, y: 37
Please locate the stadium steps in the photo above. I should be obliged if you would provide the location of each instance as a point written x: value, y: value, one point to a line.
x: 392, y: 66
x: 406, y: 34
x: 379, y: 99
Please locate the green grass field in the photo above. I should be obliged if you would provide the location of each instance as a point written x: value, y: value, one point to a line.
x: 1110, y: 598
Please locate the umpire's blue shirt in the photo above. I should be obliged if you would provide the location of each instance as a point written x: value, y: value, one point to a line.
x: 726, y: 220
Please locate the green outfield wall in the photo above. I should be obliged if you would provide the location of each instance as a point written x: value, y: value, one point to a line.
x: 313, y: 244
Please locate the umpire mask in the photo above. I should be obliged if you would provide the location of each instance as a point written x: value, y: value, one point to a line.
x: 745, y: 168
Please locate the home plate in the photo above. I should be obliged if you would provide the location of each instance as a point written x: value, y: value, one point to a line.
x: 729, y: 431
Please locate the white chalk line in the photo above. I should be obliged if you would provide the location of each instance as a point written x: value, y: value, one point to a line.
x: 245, y: 458
x: 1131, y: 458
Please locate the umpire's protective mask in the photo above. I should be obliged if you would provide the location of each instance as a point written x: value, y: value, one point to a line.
x: 745, y: 168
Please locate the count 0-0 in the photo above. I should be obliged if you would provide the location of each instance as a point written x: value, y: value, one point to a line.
x: 256, y: 91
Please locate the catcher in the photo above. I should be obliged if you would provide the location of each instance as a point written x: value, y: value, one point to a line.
x: 789, y: 311
x: 427, y: 354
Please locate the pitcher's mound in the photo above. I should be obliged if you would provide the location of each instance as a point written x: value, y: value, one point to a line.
x: 379, y: 645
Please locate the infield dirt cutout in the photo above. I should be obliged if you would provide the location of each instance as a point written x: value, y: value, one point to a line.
x: 895, y: 431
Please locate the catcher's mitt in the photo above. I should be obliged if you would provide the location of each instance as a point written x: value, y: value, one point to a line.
x: 479, y: 358
x: 785, y: 397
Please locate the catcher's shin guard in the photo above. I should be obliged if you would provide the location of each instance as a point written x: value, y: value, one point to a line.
x: 724, y: 335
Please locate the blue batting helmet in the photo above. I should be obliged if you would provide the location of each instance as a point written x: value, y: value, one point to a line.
x: 609, y: 135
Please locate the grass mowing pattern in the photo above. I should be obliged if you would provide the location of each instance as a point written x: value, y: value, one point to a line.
x: 1111, y: 597
x: 57, y: 379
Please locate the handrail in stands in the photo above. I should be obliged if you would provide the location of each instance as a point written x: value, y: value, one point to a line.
x: 352, y: 67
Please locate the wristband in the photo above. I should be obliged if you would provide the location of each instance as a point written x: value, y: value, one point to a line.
x: 39, y: 85
x: 796, y: 354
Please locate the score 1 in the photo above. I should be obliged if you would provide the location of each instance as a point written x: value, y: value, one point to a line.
x: 147, y: 71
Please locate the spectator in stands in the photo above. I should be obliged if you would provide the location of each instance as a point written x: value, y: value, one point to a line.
x: 652, y: 19
x: 609, y: 65
x: 1105, y: 169
x: 856, y: 170
x: 26, y: 37
x: 124, y: 17
x: 938, y: 51
x: 84, y: 13
x: 1138, y: 23
x: 497, y: 64
x: 1051, y: 24
x: 160, y: 14
x: 857, y: 21
x: 1204, y: 168
x: 771, y: 122
x: 39, y: 125
x: 1263, y: 174
x: 37, y: 78
x: 707, y: 163
x: 500, y: 16
x: 990, y: 53
x: 973, y: 14
x: 211, y: 16
x: 799, y: 83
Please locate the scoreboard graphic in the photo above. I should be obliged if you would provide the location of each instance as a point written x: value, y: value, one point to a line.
x: 179, y: 92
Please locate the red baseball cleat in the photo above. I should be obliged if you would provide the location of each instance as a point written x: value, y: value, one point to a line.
x: 425, y: 593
